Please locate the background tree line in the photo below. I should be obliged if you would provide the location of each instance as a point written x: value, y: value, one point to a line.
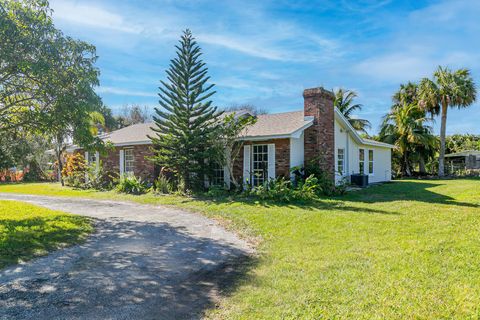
x: 415, y: 106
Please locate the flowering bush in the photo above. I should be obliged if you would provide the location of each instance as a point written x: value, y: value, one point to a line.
x: 74, y: 171
x: 7, y: 175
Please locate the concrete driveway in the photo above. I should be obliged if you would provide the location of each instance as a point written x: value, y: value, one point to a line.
x: 142, y: 262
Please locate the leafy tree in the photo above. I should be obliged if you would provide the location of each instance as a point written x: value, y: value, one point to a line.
x: 27, y: 53
x: 228, y: 144
x: 462, y: 142
x: 344, y: 102
x: 75, y: 107
x: 186, y: 122
x: 47, y: 80
x: 447, y: 89
x: 20, y: 148
x: 405, y: 128
x: 407, y: 94
x: 110, y: 121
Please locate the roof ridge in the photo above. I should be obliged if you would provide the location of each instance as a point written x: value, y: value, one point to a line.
x: 272, y: 114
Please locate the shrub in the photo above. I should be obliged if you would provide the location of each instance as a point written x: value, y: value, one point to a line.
x: 326, y: 185
x: 34, y: 173
x: 74, y: 171
x: 99, y: 179
x: 131, y: 185
x: 307, y: 189
x: 216, y: 192
x: 163, y: 185
x: 281, y: 189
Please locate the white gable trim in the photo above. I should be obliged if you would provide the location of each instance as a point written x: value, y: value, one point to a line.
x: 341, y: 118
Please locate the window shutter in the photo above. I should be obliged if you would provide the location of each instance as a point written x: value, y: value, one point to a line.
x: 246, y: 164
x: 122, y: 162
x: 97, y: 160
x: 271, y: 161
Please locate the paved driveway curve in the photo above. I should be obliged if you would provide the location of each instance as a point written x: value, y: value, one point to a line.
x: 142, y: 262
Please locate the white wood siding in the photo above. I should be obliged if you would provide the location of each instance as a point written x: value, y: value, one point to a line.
x: 381, y: 156
x: 297, y: 151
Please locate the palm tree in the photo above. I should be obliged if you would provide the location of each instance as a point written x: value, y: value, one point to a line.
x: 447, y: 89
x: 344, y: 103
x: 405, y: 128
x: 407, y: 94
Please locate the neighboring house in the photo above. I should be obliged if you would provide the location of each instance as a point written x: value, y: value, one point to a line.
x: 273, y: 146
x: 464, y: 160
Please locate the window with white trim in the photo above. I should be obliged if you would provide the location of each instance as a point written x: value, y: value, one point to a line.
x: 218, y: 178
x: 129, y: 159
x: 92, y: 158
x: 370, y: 161
x: 341, y: 161
x: 259, y: 164
x: 361, y: 161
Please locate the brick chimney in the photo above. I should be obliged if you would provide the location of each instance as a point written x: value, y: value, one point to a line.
x: 320, y: 137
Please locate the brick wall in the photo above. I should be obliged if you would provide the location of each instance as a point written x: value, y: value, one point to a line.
x: 143, y: 167
x: 319, y: 138
x: 282, y: 158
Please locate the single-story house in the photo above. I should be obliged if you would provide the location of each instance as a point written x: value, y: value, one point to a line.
x: 464, y: 160
x: 274, y: 145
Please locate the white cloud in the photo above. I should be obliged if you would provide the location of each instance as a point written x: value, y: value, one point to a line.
x: 278, y: 41
x: 91, y: 16
x: 125, y: 92
x: 241, y: 45
x: 395, y: 67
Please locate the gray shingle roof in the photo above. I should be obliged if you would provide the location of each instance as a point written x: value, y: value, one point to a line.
x: 277, y: 124
x: 135, y: 134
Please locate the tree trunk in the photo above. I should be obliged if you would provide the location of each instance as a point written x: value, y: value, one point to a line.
x: 421, y: 166
x: 443, y: 129
x: 407, y: 165
x: 60, y: 166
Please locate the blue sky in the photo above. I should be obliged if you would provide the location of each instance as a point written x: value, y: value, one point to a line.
x: 266, y: 52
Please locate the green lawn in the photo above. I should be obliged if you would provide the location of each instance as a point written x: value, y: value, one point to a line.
x: 27, y: 231
x: 408, y: 249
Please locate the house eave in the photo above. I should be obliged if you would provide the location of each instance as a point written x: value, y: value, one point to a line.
x: 269, y: 137
x: 132, y: 143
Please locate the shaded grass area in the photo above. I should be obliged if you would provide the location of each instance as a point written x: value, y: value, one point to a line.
x: 407, y: 249
x: 27, y: 231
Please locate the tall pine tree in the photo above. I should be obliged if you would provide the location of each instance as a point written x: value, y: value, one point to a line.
x: 186, y: 121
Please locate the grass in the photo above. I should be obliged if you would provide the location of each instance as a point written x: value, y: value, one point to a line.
x: 408, y: 249
x: 27, y: 231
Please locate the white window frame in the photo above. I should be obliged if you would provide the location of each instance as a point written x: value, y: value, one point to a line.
x: 371, y: 161
x: 129, y: 164
x: 255, y: 179
x: 218, y: 179
x: 341, y: 168
x: 360, y: 161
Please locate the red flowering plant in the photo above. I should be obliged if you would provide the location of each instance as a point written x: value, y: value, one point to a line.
x: 74, y: 170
